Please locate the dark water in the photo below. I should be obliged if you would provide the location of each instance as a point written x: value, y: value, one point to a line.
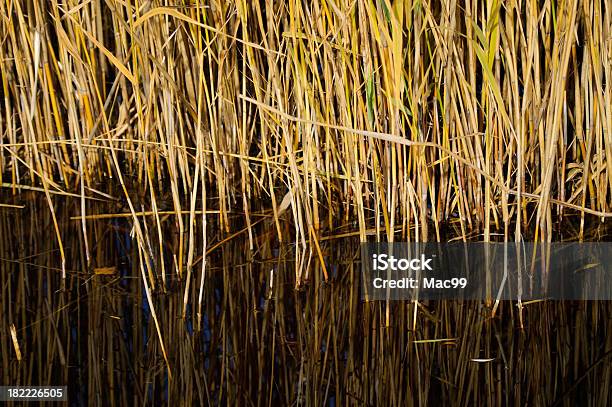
x: 258, y: 337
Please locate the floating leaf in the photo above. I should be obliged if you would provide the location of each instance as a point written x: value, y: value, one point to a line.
x: 105, y: 271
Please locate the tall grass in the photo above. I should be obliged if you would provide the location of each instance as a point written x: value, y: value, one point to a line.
x: 301, y: 122
x: 395, y: 118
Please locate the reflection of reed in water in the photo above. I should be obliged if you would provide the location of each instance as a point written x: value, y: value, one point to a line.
x: 260, y: 340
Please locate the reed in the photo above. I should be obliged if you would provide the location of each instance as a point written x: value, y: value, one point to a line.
x: 196, y: 126
x: 389, y: 115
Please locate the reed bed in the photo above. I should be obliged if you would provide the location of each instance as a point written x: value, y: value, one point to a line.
x: 156, y: 155
x: 397, y: 117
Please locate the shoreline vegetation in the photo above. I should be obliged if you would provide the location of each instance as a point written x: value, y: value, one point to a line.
x: 158, y: 158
